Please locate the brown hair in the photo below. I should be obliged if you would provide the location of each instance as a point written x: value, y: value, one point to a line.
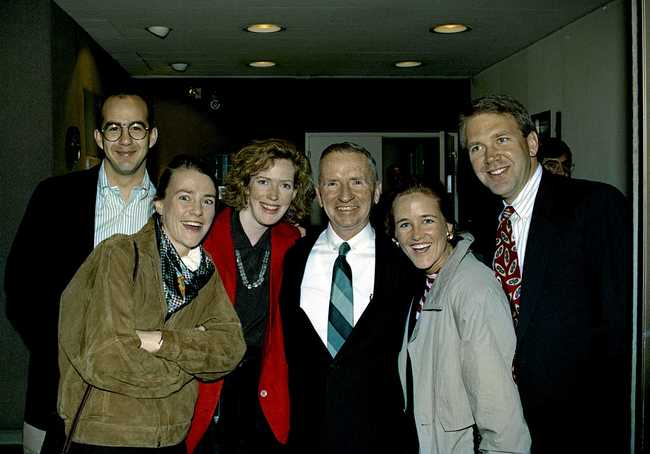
x: 183, y: 161
x: 415, y: 186
x: 498, y: 104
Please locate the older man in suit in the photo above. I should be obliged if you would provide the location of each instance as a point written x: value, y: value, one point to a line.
x: 345, y: 300
x: 561, y: 255
x: 66, y: 217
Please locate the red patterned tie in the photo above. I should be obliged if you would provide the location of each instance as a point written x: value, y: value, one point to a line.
x: 506, y: 262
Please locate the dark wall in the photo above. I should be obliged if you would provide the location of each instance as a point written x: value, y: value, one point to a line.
x: 25, y: 158
x: 82, y: 73
x: 47, y: 62
x: 288, y: 108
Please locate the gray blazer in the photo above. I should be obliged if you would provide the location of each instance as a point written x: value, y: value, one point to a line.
x: 461, y: 353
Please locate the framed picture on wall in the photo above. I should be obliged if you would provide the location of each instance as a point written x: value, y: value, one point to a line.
x: 92, y: 104
x: 542, y: 122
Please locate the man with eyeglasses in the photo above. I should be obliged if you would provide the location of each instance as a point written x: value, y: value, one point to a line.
x: 555, y: 155
x: 67, y: 216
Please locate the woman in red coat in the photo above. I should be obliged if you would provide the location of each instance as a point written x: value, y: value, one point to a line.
x: 268, y: 189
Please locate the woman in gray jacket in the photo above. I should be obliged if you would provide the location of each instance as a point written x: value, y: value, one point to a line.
x: 459, y: 342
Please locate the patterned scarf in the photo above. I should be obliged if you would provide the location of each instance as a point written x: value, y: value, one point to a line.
x: 181, y: 285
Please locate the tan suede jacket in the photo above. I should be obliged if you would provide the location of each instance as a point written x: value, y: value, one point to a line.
x: 138, y: 399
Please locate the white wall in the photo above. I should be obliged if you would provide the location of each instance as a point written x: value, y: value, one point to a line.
x: 582, y: 70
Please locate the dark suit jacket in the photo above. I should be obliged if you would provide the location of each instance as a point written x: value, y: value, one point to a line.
x: 352, y: 403
x: 572, y: 362
x: 53, y: 240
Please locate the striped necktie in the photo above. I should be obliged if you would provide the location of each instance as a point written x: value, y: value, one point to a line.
x: 341, y: 314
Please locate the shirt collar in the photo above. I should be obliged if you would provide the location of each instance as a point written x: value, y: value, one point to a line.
x: 525, y: 200
x: 360, y: 240
x: 193, y: 258
x: 144, y: 189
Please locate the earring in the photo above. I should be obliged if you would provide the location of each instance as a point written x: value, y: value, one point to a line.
x: 395, y: 241
x: 450, y: 236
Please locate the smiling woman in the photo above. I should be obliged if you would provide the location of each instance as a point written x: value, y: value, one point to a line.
x: 459, y: 341
x: 143, y: 318
x: 186, y: 207
x: 268, y: 190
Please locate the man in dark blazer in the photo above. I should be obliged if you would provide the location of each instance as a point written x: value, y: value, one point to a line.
x: 60, y: 227
x: 572, y: 363
x: 349, y: 401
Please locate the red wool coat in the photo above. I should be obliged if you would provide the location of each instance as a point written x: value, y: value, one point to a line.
x: 273, y: 390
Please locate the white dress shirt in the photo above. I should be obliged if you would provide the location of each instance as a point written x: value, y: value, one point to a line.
x: 317, y: 280
x: 520, y: 219
x: 113, y: 215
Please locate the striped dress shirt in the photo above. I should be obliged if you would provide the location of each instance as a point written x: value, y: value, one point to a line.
x: 113, y: 215
x: 520, y: 219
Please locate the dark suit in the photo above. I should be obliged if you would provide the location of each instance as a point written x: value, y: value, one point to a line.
x: 352, y: 403
x: 53, y: 240
x: 572, y: 363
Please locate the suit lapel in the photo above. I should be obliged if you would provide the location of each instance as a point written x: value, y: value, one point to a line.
x: 542, y: 228
x: 372, y: 305
x: 88, y: 199
x: 299, y: 255
x: 377, y: 308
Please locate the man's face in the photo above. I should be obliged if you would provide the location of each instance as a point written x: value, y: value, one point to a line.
x: 125, y: 156
x: 558, y: 166
x: 502, y: 158
x: 347, y: 190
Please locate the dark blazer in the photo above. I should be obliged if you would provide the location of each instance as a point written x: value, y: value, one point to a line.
x: 53, y: 240
x: 572, y: 363
x: 352, y: 403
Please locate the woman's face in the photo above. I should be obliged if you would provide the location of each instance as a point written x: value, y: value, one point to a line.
x: 188, y: 208
x: 270, y: 193
x: 421, y: 230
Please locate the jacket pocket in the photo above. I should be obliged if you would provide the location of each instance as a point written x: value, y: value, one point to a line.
x: 454, y: 411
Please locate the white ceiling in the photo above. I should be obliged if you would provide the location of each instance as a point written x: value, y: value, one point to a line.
x: 347, y: 38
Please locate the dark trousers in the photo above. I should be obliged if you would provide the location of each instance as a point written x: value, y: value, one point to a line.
x: 241, y: 427
x: 54, y: 435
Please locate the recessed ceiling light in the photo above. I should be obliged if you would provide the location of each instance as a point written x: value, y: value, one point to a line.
x: 408, y: 64
x: 179, y: 66
x: 449, y: 28
x: 262, y: 64
x: 264, y: 28
x: 159, y: 30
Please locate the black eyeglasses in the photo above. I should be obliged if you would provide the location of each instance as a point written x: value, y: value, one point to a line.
x: 113, y: 131
x: 556, y: 166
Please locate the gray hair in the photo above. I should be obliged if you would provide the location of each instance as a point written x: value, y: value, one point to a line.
x: 349, y: 147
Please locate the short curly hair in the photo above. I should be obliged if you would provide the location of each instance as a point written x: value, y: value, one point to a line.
x: 260, y: 155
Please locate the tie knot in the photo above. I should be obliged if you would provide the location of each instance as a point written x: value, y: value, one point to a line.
x: 344, y: 248
x: 507, y: 212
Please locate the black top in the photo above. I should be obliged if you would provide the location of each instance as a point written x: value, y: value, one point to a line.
x: 241, y: 426
x: 252, y: 305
